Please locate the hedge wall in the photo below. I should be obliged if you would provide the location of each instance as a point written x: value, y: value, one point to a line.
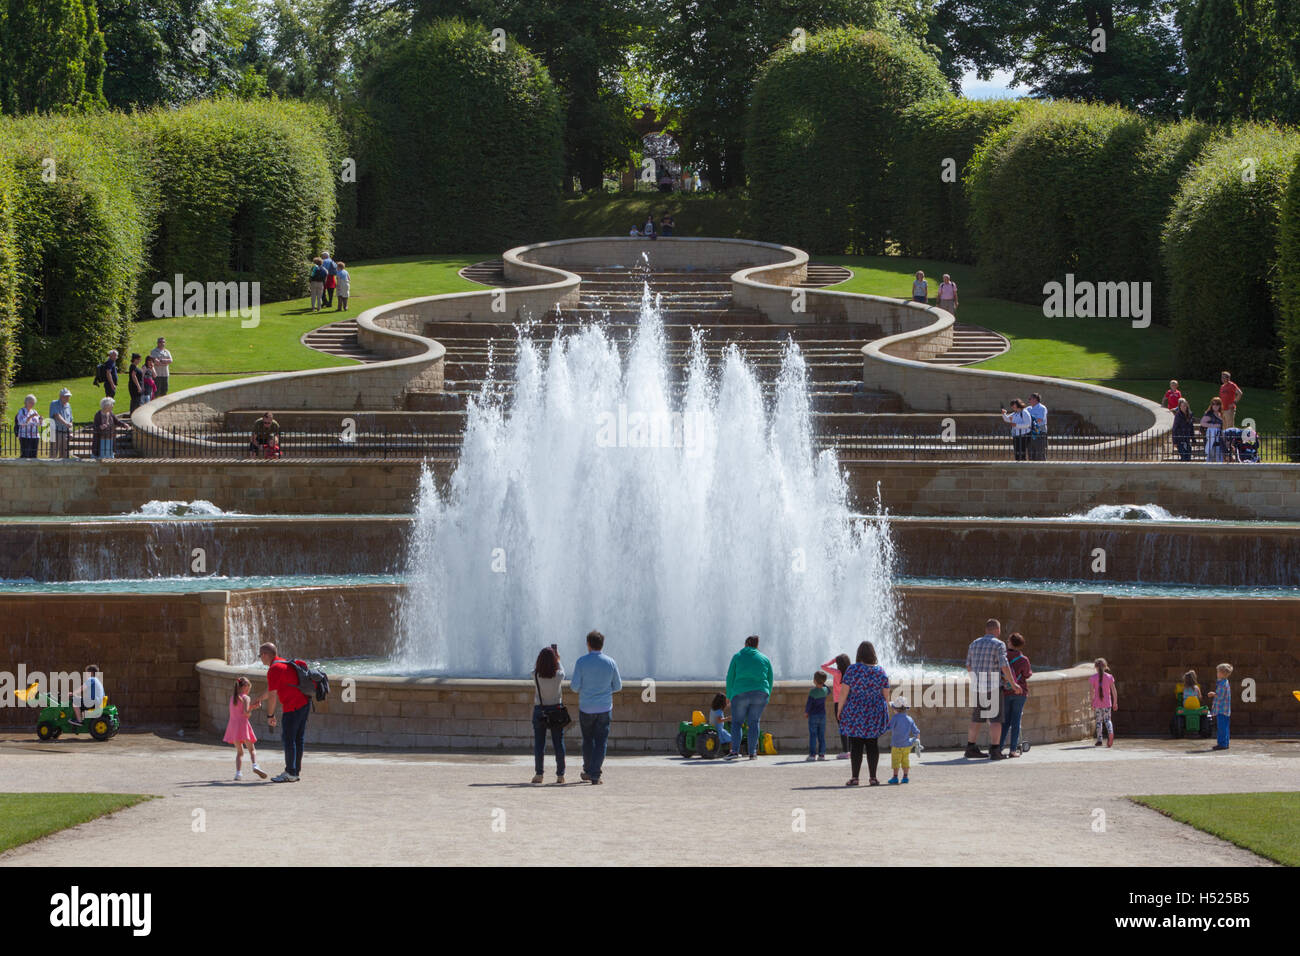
x: 458, y: 147
x: 76, y: 235
x: 250, y: 190
x: 1289, y: 299
x: 10, y: 202
x: 928, y: 195
x: 1075, y: 188
x: 819, y: 137
x: 1221, y: 252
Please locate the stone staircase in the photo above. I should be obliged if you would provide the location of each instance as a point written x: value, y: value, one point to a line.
x: 340, y: 338
x: 971, y: 344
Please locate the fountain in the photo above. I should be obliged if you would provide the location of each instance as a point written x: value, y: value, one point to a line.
x: 675, y: 520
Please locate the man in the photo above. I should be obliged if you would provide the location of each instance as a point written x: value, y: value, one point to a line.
x: 162, y: 361
x: 749, y: 686
x: 1037, y: 428
x: 89, y: 695
x: 264, y: 430
x: 107, y: 374
x: 986, y: 662
x: 597, y: 680
x: 282, y: 678
x: 1229, y: 395
x: 61, y: 417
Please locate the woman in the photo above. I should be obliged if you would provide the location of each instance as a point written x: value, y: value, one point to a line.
x: 666, y: 225
x: 865, y: 713
x: 920, y: 288
x: 148, y: 381
x: 316, y: 283
x: 1212, y: 422
x: 948, y: 295
x: 1184, y: 430
x: 28, y: 422
x: 1021, y: 423
x: 1015, y: 698
x: 105, y: 428
x: 135, y: 380
x: 547, y: 678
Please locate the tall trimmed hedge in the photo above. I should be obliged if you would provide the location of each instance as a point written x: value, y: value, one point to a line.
x: 1289, y: 300
x: 79, y: 205
x: 933, y: 146
x: 1221, y: 252
x: 250, y: 192
x: 457, y: 146
x: 1076, y: 188
x: 819, y: 137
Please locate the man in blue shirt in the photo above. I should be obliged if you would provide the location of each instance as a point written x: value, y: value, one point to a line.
x: 596, y: 679
x: 1038, y: 428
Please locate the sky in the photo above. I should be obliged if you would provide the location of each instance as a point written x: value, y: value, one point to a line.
x: 998, y: 86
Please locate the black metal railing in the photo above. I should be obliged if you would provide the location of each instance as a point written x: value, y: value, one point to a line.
x: 213, y: 443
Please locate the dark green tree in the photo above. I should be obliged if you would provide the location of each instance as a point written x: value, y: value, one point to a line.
x: 1243, y: 59
x: 51, y: 56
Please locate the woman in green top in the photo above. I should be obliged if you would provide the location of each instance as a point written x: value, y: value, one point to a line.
x: 749, y: 685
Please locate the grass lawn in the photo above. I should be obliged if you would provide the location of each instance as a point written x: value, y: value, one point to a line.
x: 215, y: 348
x: 1104, y: 351
x: 614, y: 214
x: 29, y: 816
x: 1264, y: 823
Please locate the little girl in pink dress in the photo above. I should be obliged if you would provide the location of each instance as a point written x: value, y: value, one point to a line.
x: 239, y: 731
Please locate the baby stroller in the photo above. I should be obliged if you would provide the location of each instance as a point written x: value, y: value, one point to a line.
x: 1239, y: 445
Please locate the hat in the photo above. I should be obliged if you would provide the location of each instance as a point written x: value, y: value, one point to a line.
x: 63, y: 392
x: 899, y: 703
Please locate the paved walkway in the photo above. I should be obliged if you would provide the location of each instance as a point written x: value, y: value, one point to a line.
x: 375, y: 807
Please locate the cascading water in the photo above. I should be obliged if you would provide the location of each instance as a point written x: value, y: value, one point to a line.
x: 677, y: 523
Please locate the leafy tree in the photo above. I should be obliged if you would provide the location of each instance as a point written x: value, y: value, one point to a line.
x: 1243, y: 59
x: 51, y: 56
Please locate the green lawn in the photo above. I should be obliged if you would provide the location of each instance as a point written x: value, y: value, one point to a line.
x: 29, y: 816
x: 1105, y: 351
x: 614, y: 214
x: 215, y: 348
x: 1264, y: 823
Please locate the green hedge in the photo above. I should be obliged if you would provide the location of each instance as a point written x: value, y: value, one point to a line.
x: 1075, y: 188
x: 457, y: 147
x: 75, y: 234
x: 819, y: 134
x: 1221, y: 252
x: 1289, y: 299
x: 928, y: 195
x: 250, y: 192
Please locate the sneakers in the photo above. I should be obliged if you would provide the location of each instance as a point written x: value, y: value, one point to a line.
x: 585, y: 776
x: 892, y: 780
x: 537, y: 778
x: 810, y: 758
x: 1218, y: 747
x: 843, y: 756
x: 596, y: 781
x: 753, y: 756
x: 1098, y: 743
x: 904, y: 780
x: 821, y: 756
x: 733, y: 755
x: 973, y: 751
x: 239, y: 775
x: 259, y: 771
x: 560, y: 780
x: 285, y: 777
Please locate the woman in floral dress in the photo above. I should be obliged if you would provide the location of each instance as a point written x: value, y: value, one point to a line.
x: 865, y: 713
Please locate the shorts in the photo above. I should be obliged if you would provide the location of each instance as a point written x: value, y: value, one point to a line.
x: 994, y: 710
x: 899, y: 757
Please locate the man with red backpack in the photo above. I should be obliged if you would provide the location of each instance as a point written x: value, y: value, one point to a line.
x: 282, y: 678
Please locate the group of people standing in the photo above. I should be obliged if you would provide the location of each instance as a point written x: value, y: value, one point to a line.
x: 1028, y: 422
x: 329, y: 277
x: 1219, y: 415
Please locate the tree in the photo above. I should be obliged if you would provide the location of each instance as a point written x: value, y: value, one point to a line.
x: 709, y: 52
x: 1243, y: 59
x: 51, y: 56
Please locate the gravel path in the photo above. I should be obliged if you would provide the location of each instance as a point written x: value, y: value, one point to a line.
x: 377, y: 807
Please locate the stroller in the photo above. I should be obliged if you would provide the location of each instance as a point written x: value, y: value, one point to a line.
x: 1239, y: 445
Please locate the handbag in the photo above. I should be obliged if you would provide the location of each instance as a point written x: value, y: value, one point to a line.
x: 556, y: 715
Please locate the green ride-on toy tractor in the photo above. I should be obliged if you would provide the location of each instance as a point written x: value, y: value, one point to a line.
x: 697, y: 736
x: 55, y: 718
x: 1190, y: 716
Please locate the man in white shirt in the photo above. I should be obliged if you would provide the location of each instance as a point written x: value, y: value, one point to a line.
x: 162, y: 360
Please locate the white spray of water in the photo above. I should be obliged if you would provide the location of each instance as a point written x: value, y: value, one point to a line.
x: 677, y: 523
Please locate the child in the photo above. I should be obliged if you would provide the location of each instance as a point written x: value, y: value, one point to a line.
x: 1105, y: 700
x: 1221, y: 707
x: 814, y: 709
x: 1190, y: 687
x: 836, y: 669
x: 239, y: 731
x: 343, y: 288
x: 903, y: 733
x: 1173, y: 395
x: 716, y: 719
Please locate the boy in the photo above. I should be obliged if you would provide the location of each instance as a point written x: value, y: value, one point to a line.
x: 814, y: 709
x: 903, y: 733
x: 1221, y: 706
x: 88, y: 696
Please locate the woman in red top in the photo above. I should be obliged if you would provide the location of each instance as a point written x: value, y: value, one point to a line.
x: 1015, y: 698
